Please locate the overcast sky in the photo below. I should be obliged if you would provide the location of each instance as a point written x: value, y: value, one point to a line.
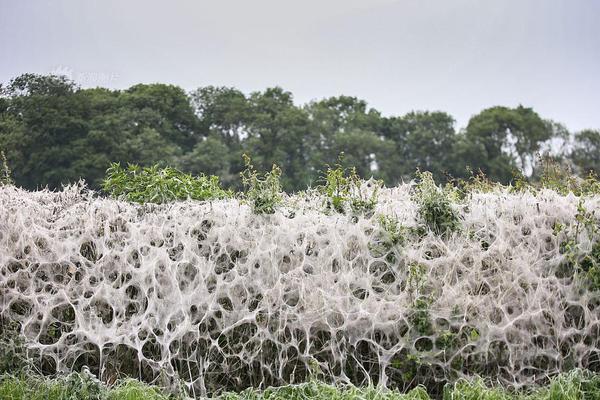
x: 458, y: 56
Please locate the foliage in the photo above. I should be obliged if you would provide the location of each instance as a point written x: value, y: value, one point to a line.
x: 5, y: 174
x: 13, y: 355
x: 435, y: 205
x: 502, y: 139
x: 264, y: 193
x: 562, y: 180
x: 575, y: 385
x: 344, y: 188
x: 585, y: 264
x: 420, y: 140
x: 395, y: 234
x: 55, y: 132
x: 476, y: 182
x: 589, y: 266
x: 75, y: 386
x: 155, y: 185
x: 586, y: 154
x: 420, y: 317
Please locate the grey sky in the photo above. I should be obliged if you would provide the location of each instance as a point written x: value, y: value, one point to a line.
x: 458, y: 56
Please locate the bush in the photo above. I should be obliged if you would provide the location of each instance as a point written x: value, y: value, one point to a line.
x: 5, y: 174
x: 561, y: 179
x: 264, y: 193
x: 435, y: 205
x: 344, y: 188
x: 13, y: 355
x: 155, y: 185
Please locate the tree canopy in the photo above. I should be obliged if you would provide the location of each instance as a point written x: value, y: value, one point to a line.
x: 54, y: 132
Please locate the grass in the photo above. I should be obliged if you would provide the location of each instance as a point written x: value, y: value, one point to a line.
x: 575, y: 385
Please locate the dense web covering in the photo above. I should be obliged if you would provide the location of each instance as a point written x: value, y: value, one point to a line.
x: 212, y: 295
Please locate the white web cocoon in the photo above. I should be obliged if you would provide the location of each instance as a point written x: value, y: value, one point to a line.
x: 224, y: 299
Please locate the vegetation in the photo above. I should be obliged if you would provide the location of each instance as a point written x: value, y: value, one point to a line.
x: 264, y: 193
x: 576, y: 385
x: 5, y: 174
x: 54, y: 132
x: 14, y: 354
x: 435, y: 205
x: 344, y: 189
x: 155, y: 185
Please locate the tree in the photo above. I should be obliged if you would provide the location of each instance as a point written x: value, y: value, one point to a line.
x: 164, y: 108
x: 421, y: 140
x: 209, y: 156
x: 221, y: 110
x: 345, y: 125
x: 55, y: 133
x: 278, y: 132
x: 499, y: 140
x: 586, y: 153
x: 41, y: 116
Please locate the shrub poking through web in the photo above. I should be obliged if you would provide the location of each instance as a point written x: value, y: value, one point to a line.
x: 155, y: 185
x: 435, y: 205
x: 344, y: 188
x: 562, y: 180
x: 263, y: 192
x: 5, y: 174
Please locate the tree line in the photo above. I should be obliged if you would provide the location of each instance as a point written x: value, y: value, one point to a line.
x: 54, y: 132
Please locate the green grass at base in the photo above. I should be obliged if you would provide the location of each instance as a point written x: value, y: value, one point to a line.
x: 576, y: 385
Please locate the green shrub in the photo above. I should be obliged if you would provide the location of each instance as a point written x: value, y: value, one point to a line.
x: 13, y: 355
x: 561, y: 179
x: 477, y: 182
x: 420, y: 317
x: 435, y: 205
x: 389, y: 238
x: 5, y: 174
x: 586, y: 264
x: 395, y: 233
x: 264, y: 193
x: 589, y: 267
x: 156, y: 185
x: 343, y: 188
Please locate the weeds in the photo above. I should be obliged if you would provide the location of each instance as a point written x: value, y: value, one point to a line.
x: 435, y: 205
x: 343, y: 188
x: 394, y: 233
x: 389, y: 238
x: 477, y: 182
x: 575, y: 385
x: 5, y: 174
x: 13, y: 355
x: 420, y: 317
x: 586, y: 265
x: 155, y: 185
x: 264, y: 193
